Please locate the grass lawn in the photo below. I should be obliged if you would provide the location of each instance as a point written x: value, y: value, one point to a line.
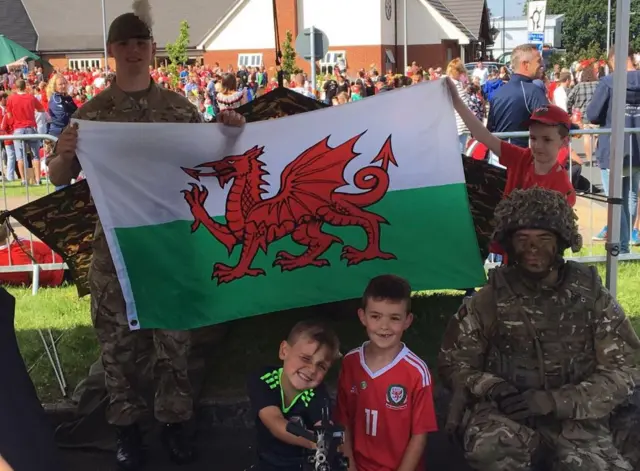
x: 15, y: 189
x: 249, y: 342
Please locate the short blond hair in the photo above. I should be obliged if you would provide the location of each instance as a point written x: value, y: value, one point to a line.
x: 455, y: 68
x: 521, y: 54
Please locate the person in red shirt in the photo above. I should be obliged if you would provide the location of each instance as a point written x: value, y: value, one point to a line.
x: 384, y: 399
x: 6, y: 128
x: 21, y: 108
x: 19, y: 252
x: 537, y: 165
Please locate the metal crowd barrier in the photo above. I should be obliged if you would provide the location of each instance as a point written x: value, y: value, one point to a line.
x: 48, y: 340
x: 588, y: 171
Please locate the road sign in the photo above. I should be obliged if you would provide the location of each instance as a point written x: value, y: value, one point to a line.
x: 303, y: 44
x: 536, y: 37
x: 536, y: 16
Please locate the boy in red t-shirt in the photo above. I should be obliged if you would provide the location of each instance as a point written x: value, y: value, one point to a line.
x: 537, y: 165
x: 385, y: 400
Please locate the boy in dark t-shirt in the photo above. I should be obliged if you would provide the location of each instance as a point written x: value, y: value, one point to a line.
x: 293, y: 392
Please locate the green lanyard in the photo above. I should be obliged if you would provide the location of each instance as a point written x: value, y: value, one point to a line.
x: 274, y: 380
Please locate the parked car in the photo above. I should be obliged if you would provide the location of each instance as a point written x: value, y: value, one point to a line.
x: 492, y: 66
x: 505, y: 59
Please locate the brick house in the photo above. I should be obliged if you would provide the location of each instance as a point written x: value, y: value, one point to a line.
x: 241, y: 32
x: 364, y: 32
x: 70, y: 34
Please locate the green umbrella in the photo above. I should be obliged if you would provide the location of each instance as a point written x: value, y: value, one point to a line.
x: 10, y: 51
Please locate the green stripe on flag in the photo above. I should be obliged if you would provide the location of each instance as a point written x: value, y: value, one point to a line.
x: 430, y: 232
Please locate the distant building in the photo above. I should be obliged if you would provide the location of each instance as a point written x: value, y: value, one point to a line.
x: 515, y: 33
x: 241, y: 32
x: 360, y: 32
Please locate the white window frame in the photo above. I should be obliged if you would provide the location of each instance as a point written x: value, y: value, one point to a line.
x: 85, y: 63
x: 389, y: 57
x: 331, y: 59
x: 250, y: 60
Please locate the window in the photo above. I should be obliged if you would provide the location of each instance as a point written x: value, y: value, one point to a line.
x: 331, y: 59
x: 389, y: 57
x: 78, y: 64
x: 249, y: 60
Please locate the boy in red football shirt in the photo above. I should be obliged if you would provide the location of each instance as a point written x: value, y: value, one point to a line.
x: 384, y: 400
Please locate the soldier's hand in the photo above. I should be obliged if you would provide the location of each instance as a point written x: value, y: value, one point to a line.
x: 67, y: 143
x: 540, y: 402
x: 510, y: 401
x: 516, y: 407
x: 231, y: 118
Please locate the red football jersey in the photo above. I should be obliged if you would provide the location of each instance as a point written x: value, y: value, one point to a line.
x: 382, y: 410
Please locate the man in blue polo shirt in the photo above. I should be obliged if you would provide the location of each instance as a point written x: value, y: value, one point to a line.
x: 511, y: 106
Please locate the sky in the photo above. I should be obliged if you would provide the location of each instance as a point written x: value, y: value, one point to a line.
x: 514, y: 7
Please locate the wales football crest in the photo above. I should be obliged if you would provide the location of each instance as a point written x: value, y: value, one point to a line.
x: 396, y: 397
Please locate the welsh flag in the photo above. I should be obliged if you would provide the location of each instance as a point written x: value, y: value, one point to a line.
x: 208, y: 223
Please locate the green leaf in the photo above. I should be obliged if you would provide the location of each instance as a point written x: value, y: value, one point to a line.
x: 177, y: 51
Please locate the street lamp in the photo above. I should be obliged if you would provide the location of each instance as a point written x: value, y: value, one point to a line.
x: 608, y: 27
x: 504, y: 23
x: 104, y: 34
x: 406, y: 39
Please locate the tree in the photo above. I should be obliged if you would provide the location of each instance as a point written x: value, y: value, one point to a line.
x: 178, y: 52
x: 289, y: 57
x: 584, y: 32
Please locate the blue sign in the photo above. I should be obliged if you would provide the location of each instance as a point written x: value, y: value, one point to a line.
x: 536, y: 37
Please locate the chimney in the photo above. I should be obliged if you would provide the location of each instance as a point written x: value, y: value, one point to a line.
x: 287, y: 19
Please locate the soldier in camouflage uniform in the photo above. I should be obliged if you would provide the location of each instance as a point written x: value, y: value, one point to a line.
x: 133, y: 97
x: 540, y: 360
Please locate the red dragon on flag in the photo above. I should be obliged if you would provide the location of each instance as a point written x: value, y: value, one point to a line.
x: 308, y: 198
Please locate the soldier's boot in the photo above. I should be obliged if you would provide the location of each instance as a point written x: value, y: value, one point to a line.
x: 178, y: 444
x: 129, y: 450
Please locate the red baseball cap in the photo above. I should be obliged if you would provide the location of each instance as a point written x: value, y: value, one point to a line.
x: 552, y: 115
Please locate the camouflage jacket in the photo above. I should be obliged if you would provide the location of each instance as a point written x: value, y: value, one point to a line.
x: 572, y: 339
x: 158, y: 105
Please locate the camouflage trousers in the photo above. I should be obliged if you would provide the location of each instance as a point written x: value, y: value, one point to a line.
x: 119, y: 349
x: 493, y: 442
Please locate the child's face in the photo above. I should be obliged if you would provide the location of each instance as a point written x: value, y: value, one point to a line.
x: 545, y: 142
x: 385, y: 321
x: 305, y: 363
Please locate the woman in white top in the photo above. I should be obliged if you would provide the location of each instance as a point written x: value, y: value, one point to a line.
x: 457, y: 72
x: 229, y: 98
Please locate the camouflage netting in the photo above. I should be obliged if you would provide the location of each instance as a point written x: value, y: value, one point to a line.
x: 537, y: 208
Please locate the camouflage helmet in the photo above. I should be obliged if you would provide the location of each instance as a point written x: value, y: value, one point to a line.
x: 537, y: 208
x: 128, y: 26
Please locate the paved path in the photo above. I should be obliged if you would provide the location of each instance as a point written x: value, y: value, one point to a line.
x: 13, y: 202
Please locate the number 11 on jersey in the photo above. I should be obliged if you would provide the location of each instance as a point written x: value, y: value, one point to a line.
x: 371, y: 425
